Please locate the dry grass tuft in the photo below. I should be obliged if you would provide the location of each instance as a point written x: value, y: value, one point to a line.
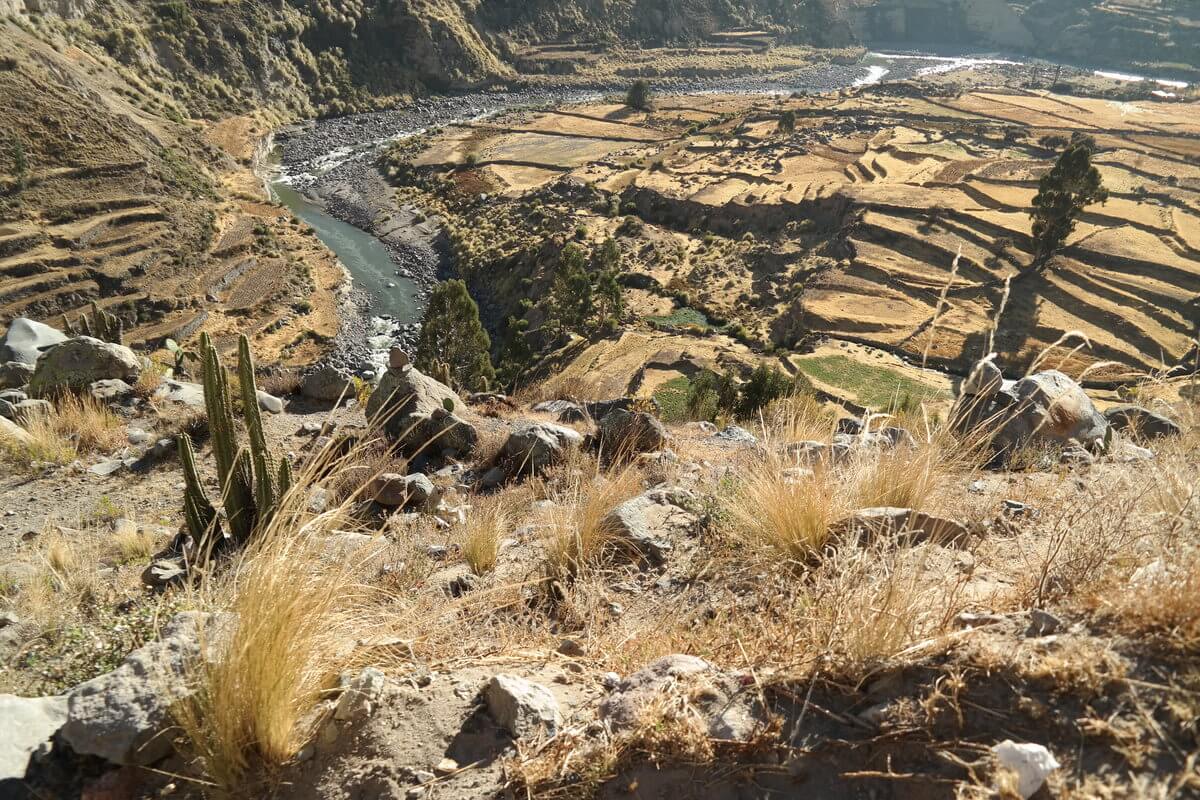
x: 89, y: 422
x: 789, y: 513
x: 134, y: 544
x: 293, y: 622
x: 490, y: 521
x: 580, y: 533
x: 45, y: 445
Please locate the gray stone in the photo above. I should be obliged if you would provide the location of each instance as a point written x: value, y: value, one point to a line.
x: 6, y: 409
x: 726, y: 703
x: 985, y: 379
x: 402, y: 491
x: 15, y: 374
x: 625, y: 433
x: 182, y: 392
x: 532, y: 447
x: 522, y: 707
x: 913, y: 526
x: 110, y: 390
x: 361, y: 696
x: 164, y: 572
x: 29, y: 725
x: 269, y: 402
x: 1049, y: 407
x: 124, y: 716
x: 734, y: 433
x: 78, y: 363
x: 419, y: 413
x: 329, y: 383
x: 25, y: 339
x: 642, y: 527
x: 27, y: 410
x: 1141, y: 423
x: 1128, y: 453
x: 13, y: 432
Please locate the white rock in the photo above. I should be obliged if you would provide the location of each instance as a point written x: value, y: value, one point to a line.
x: 360, y: 696
x: 522, y: 707
x: 29, y: 724
x: 1032, y: 763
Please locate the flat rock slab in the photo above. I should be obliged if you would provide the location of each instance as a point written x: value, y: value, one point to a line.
x: 28, y: 725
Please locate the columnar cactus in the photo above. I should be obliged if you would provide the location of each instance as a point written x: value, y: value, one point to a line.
x: 251, y: 484
x: 101, y: 325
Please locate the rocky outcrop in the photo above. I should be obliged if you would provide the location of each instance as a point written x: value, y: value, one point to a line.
x: 15, y: 374
x: 78, y: 363
x: 420, y: 414
x: 329, y: 383
x: 124, y: 716
x: 29, y: 725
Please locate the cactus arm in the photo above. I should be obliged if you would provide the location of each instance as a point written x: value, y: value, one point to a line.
x: 260, y: 456
x: 199, y: 513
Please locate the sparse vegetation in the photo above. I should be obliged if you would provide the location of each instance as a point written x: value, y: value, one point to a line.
x: 452, y: 335
x: 638, y: 96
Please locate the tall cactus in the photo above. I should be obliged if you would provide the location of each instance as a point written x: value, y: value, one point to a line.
x: 101, y: 325
x: 251, y: 484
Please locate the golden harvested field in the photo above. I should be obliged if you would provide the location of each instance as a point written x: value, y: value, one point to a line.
x: 849, y: 226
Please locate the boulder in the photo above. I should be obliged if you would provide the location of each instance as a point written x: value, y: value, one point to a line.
x: 15, y: 374
x: 402, y: 491
x: 532, y: 447
x: 888, y: 522
x: 27, y: 410
x: 727, y: 703
x: 29, y: 725
x: 124, y: 716
x: 77, y: 363
x: 12, y: 432
x: 642, y: 526
x: 25, y: 340
x: 329, y: 383
x: 420, y: 413
x: 192, y: 395
x: 113, y: 390
x: 625, y: 433
x: 522, y: 707
x: 1141, y: 423
x: 1045, y: 408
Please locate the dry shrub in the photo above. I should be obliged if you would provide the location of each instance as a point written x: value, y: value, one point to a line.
x: 489, y: 521
x: 580, y: 533
x: 788, y: 513
x: 366, y: 462
x: 45, y: 445
x: 88, y: 422
x: 907, y: 477
x: 134, y: 544
x: 294, y: 623
x: 149, y: 379
x: 801, y: 417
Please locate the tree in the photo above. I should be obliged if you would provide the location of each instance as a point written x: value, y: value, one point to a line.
x: 767, y: 384
x: 606, y: 261
x: 1063, y: 193
x: 638, y: 95
x: 710, y: 394
x: 787, y: 122
x: 572, y: 291
x: 451, y: 334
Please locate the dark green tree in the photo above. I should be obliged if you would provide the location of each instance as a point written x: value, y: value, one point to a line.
x: 606, y: 263
x: 710, y: 394
x: 638, y: 95
x: 787, y: 122
x: 451, y: 334
x: 1063, y: 192
x: 768, y: 383
x: 571, y: 294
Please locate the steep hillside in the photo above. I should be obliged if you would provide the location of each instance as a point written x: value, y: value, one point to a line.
x: 1147, y: 34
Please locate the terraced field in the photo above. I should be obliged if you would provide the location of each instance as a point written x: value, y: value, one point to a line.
x: 850, y: 226
x: 104, y: 200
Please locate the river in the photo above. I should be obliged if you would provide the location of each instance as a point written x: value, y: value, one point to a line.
x: 324, y: 172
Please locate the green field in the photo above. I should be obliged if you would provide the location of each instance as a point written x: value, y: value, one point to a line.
x: 874, y: 387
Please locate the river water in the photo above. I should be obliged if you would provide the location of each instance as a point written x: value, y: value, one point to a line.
x: 338, y: 152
